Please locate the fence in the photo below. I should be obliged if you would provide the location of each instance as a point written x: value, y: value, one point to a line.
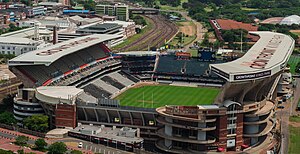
x: 23, y: 130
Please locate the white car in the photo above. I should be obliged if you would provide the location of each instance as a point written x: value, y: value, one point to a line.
x: 80, y: 145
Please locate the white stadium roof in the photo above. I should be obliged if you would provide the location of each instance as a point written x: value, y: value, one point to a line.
x: 268, y: 56
x: 293, y: 19
x: 58, y: 94
x: 49, y: 54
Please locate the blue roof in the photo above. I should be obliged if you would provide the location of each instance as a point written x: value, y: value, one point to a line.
x: 76, y: 11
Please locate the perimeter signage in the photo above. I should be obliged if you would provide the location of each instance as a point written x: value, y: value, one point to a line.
x: 266, y: 54
x: 252, y: 75
x: 65, y: 46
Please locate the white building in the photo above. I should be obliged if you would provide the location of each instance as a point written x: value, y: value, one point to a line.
x: 18, y: 46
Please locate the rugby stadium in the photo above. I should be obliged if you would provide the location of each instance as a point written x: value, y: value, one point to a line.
x: 180, y: 104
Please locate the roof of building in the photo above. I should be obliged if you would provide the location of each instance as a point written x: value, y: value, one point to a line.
x: 208, y: 107
x: 50, y: 4
x: 76, y: 11
x: 25, y: 33
x: 227, y: 24
x: 50, y: 54
x: 17, y: 40
x: 273, y: 20
x: 108, y: 133
x: 293, y: 19
x: 119, y: 22
x: 138, y: 53
x: 88, y: 20
x: 266, y: 57
x: 58, y: 94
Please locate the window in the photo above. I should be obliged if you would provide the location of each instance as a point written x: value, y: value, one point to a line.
x: 231, y: 131
x: 8, y: 52
x: 14, y: 53
x: 3, y: 47
x: 8, y: 48
x: 3, y: 52
x: 14, y: 48
x: 25, y: 49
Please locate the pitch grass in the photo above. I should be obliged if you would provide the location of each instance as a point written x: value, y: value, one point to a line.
x: 293, y: 61
x: 294, y: 141
x: 162, y: 95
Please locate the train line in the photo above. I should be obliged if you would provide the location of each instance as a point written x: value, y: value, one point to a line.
x: 162, y: 30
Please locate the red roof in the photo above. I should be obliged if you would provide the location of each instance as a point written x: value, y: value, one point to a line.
x: 227, y: 24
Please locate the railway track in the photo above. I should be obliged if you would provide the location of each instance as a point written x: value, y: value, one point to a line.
x: 162, y: 30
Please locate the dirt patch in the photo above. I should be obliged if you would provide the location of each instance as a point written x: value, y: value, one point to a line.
x: 295, y: 124
x: 295, y: 31
x: 187, y: 28
x: 142, y: 84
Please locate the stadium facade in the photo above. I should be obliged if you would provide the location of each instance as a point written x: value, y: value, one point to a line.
x: 80, y: 82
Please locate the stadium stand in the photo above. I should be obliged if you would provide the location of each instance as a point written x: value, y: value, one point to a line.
x: 169, y: 68
x: 117, y: 76
x: 96, y: 91
x: 138, y: 63
x: 67, y: 64
x: 169, y: 64
x: 130, y: 77
x: 113, y: 82
x: 106, y: 86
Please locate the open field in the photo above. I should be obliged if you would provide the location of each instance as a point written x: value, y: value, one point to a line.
x: 294, y: 141
x: 160, y: 95
x: 187, y: 28
x: 170, y: 8
x: 293, y: 61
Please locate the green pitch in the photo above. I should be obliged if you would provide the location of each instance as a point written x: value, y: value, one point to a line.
x: 293, y: 61
x: 160, y: 95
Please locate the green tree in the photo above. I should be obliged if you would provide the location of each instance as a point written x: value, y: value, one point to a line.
x: 21, y: 140
x: 205, y: 41
x: 57, y: 148
x: 40, y: 144
x: 7, y: 118
x: 6, y: 152
x: 76, y: 152
x: 21, y: 151
x: 36, y: 122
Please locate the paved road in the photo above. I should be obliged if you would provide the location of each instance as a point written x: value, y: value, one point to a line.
x: 72, y: 143
x: 284, y: 114
x: 96, y: 148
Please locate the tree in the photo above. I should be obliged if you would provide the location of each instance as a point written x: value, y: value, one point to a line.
x: 40, y: 144
x: 205, y: 41
x: 76, y: 152
x: 57, y: 148
x: 21, y: 140
x: 36, y: 122
x: 7, y: 118
x: 297, y: 68
x: 21, y: 151
x: 6, y: 152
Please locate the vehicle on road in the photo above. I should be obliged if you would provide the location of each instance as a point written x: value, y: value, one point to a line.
x: 80, y: 145
x: 280, y: 107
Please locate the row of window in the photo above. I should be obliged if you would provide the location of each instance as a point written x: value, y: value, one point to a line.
x: 8, y: 52
x: 14, y: 48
